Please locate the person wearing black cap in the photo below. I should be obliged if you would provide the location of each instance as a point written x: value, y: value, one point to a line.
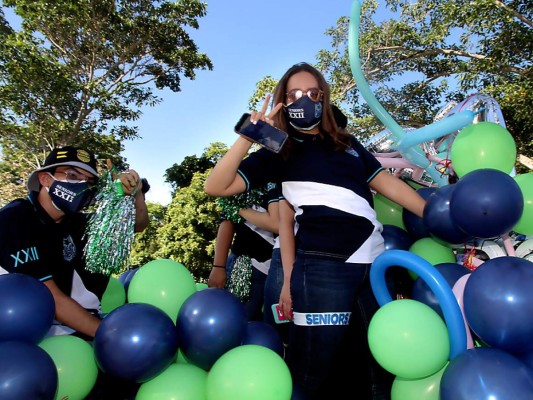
x: 43, y: 235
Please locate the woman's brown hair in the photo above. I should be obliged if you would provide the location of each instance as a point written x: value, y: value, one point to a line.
x: 328, y: 126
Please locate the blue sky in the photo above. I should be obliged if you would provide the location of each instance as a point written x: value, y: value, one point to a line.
x: 246, y: 41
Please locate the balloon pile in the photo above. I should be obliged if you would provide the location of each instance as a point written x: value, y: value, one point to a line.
x: 427, y: 341
x: 172, y: 338
x: 180, y: 339
x: 465, y: 332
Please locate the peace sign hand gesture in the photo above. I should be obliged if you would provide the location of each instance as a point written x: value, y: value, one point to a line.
x: 261, y: 115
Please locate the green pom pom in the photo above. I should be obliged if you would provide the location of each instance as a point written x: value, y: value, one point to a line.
x: 240, y: 280
x: 231, y: 205
x: 110, y: 230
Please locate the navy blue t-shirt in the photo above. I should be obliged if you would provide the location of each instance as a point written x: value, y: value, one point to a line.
x: 33, y: 243
x: 251, y: 241
x: 329, y: 192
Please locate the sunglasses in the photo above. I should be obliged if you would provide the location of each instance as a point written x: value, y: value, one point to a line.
x: 295, y: 94
x: 73, y: 176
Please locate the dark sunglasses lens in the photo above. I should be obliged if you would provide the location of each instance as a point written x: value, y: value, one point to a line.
x: 314, y: 94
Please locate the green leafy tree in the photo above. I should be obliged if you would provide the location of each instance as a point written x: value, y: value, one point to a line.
x: 146, y: 243
x: 180, y: 175
x: 191, y: 222
x: 189, y: 232
x: 80, y: 72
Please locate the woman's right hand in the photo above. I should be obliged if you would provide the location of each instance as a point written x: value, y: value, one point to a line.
x: 285, y: 301
x: 262, y: 116
x: 217, y: 278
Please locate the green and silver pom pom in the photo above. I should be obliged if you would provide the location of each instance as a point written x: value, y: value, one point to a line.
x: 240, y: 279
x: 231, y: 205
x: 110, y: 230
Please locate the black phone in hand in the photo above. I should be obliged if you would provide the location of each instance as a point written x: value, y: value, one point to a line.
x: 262, y: 133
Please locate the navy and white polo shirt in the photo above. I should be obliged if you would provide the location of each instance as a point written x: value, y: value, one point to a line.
x: 254, y: 242
x: 33, y: 243
x: 328, y: 189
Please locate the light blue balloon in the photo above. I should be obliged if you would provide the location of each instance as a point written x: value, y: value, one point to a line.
x: 436, y: 282
x: 437, y: 129
x: 412, y: 154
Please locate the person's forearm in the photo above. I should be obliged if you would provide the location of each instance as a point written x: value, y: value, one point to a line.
x: 261, y: 219
x: 398, y: 191
x: 286, y: 239
x: 223, y: 241
x: 142, y: 219
x: 71, y: 313
x: 222, y: 180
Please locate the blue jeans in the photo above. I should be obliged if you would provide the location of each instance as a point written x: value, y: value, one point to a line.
x: 274, y: 282
x: 253, y: 307
x: 318, y: 354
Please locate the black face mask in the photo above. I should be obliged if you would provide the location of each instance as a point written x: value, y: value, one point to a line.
x: 70, y: 197
x: 304, y: 114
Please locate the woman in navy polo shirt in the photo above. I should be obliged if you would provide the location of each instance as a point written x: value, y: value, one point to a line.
x: 329, y: 234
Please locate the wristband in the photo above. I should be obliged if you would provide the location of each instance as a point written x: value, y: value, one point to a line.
x: 219, y: 266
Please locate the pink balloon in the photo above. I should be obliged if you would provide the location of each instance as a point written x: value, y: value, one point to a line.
x: 458, y: 290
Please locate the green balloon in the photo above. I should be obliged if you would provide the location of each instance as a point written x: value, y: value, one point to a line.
x: 177, y: 382
x: 525, y: 223
x: 409, y: 339
x: 483, y: 145
x: 163, y: 283
x: 433, y: 251
x: 75, y: 363
x: 114, y: 295
x: 180, y: 358
x: 201, y: 286
x: 420, y: 389
x: 388, y: 212
x: 249, y: 372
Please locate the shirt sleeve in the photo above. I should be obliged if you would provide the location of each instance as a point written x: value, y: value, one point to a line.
x: 260, y: 168
x: 372, y: 165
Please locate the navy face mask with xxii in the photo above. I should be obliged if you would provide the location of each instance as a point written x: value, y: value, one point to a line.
x: 304, y: 114
x: 71, y: 197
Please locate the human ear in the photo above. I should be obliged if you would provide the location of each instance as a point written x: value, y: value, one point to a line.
x: 45, y: 179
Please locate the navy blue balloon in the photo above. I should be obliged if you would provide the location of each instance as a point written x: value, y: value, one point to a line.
x: 438, y: 219
x: 498, y: 303
x: 124, y: 275
x: 27, y: 308
x: 486, y: 203
x: 527, y: 358
x: 412, y: 222
x: 127, y: 279
x: 422, y: 292
x: 263, y: 334
x: 135, y: 342
x: 396, y: 238
x: 26, y: 372
x: 486, y: 374
x: 399, y: 282
x: 210, y: 322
